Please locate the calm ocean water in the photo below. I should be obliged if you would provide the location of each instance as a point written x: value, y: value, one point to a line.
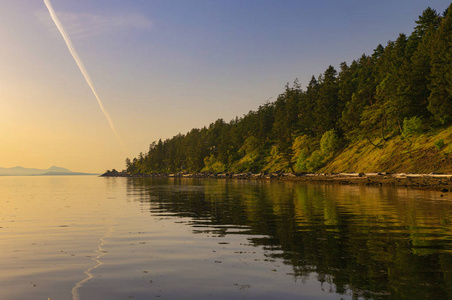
x: 86, y: 237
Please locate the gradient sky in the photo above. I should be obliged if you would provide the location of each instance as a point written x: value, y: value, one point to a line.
x: 164, y: 67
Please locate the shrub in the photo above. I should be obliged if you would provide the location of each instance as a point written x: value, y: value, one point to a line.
x: 249, y: 145
x: 315, y: 161
x: 329, y: 143
x: 212, y: 165
x: 412, y: 126
x: 300, y: 165
x: 300, y: 144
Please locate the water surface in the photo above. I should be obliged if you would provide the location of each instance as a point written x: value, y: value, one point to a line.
x: 129, y: 238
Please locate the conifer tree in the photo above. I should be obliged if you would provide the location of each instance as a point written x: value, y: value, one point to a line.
x: 440, y: 99
x: 327, y: 109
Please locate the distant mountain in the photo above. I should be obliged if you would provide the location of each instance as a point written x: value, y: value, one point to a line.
x: 21, y: 171
x: 58, y: 169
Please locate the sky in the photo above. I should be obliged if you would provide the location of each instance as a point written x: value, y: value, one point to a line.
x: 163, y: 67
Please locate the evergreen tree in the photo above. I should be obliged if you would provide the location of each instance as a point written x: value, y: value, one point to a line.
x: 327, y: 108
x: 414, y: 76
x: 286, y: 120
x: 440, y: 99
x: 408, y: 81
x: 306, y: 107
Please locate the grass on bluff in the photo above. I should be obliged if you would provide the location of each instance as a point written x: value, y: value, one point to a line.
x: 417, y: 153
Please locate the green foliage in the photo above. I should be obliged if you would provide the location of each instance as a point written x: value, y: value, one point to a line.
x: 250, y: 145
x: 327, y: 110
x: 375, y: 98
x: 301, y: 153
x: 300, y: 165
x: 315, y: 161
x: 329, y: 143
x: 249, y: 163
x: 357, y: 91
x: 440, y: 99
x: 412, y: 126
x: 439, y: 144
x: 300, y: 144
x: 213, y: 165
x: 251, y: 160
x: 274, y: 161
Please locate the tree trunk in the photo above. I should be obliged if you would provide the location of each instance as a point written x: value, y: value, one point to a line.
x: 376, y: 146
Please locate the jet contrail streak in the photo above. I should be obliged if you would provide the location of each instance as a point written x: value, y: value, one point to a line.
x: 81, y: 66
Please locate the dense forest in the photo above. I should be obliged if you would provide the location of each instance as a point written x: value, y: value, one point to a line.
x: 401, y: 90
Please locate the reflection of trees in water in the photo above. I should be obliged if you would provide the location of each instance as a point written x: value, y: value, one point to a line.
x: 376, y: 242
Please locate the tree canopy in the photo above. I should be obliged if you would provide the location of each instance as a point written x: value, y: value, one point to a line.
x: 372, y: 98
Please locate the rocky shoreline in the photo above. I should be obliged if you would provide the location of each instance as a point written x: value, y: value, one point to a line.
x: 440, y: 182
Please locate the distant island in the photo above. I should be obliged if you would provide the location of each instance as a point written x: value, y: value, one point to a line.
x: 390, y: 111
x: 21, y: 171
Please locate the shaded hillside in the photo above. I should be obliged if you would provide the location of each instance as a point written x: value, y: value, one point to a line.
x: 388, y: 111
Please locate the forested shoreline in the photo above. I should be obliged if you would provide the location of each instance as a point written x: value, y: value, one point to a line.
x: 401, y: 92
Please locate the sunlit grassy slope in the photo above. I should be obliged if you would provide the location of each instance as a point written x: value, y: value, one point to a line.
x: 422, y: 153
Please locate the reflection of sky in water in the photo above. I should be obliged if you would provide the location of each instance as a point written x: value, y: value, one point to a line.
x: 193, y: 239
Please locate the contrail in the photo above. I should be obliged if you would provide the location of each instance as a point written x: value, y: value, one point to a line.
x: 81, y: 66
